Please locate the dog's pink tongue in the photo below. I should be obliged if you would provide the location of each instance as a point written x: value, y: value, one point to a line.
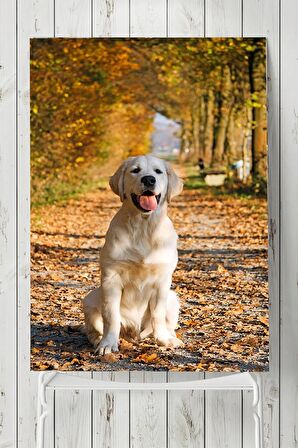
x: 148, y: 202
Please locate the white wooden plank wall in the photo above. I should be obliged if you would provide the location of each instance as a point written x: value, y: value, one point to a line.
x: 8, y: 176
x: 148, y: 419
x: 223, y: 410
x: 73, y: 409
x: 289, y: 226
x: 223, y: 18
x: 186, y: 419
x: 73, y: 18
x: 111, y: 409
x: 186, y: 18
x: 262, y: 18
x: 111, y: 414
x: 148, y: 412
x: 35, y: 20
x: 111, y: 18
x: 148, y: 18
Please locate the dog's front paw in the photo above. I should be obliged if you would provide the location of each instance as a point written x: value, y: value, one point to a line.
x: 174, y: 342
x: 169, y: 341
x: 108, y: 344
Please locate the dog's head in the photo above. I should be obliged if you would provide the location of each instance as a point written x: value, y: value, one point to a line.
x: 147, y: 182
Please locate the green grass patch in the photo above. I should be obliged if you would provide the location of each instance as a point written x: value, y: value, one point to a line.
x: 193, y: 179
x: 63, y: 191
x: 232, y: 187
x: 195, y: 182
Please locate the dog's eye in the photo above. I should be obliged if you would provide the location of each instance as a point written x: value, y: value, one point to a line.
x: 136, y: 170
x: 158, y: 171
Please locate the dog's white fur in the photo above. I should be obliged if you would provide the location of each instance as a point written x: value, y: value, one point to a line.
x: 137, y: 263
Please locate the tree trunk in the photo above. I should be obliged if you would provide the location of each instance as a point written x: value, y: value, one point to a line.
x: 232, y: 142
x: 202, y: 124
x: 186, y: 140
x: 209, y: 129
x: 257, y: 83
x: 195, y: 131
x: 245, y: 156
x: 225, y: 110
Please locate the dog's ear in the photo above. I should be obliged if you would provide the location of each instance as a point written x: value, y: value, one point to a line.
x: 175, y: 184
x: 117, y: 180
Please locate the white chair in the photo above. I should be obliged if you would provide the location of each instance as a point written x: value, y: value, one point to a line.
x: 61, y: 380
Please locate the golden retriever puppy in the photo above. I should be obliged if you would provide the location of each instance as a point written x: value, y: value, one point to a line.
x: 137, y: 260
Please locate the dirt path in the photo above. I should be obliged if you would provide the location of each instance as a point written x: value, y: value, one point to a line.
x: 221, y: 280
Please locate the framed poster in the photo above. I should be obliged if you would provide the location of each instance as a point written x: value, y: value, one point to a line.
x: 118, y: 126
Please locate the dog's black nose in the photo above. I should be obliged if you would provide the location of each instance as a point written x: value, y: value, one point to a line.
x: 148, y: 181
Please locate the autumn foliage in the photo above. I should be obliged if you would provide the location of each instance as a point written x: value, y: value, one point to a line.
x: 94, y: 100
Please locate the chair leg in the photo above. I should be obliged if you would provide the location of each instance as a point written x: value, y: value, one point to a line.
x: 41, y: 410
x: 258, y: 410
x: 42, y: 406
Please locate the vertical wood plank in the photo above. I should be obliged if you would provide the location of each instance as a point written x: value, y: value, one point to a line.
x: 35, y: 19
x: 111, y: 18
x: 111, y: 413
x: 185, y: 19
x: 73, y: 418
x: 49, y: 426
x: 248, y: 435
x: 223, y: 409
x: 148, y: 409
x: 185, y: 408
x: 73, y: 409
x: 261, y: 18
x: 8, y: 287
x: 223, y: 18
x: 148, y: 412
x: 148, y: 18
x: 289, y: 226
x: 73, y: 18
x: 185, y: 413
x: 111, y: 409
x: 223, y: 419
x: 40, y: 17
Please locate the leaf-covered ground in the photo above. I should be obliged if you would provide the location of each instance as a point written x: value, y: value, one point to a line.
x: 221, y: 279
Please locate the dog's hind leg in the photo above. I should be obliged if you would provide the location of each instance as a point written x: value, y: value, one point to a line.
x: 146, y: 327
x: 172, y: 312
x: 93, y: 316
x: 147, y: 331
